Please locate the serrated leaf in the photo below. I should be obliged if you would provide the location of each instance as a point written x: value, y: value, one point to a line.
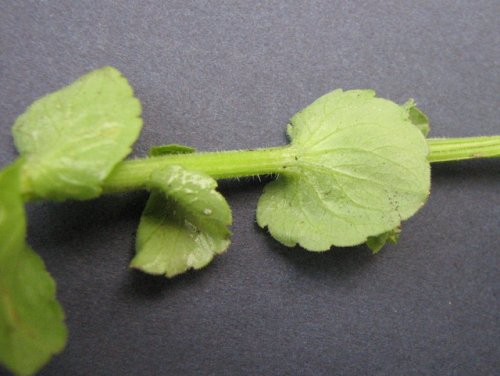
x: 31, y: 319
x: 185, y: 223
x: 360, y: 168
x: 74, y: 137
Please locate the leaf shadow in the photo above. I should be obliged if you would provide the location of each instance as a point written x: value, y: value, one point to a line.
x: 73, y: 223
x: 334, y: 265
x: 139, y: 285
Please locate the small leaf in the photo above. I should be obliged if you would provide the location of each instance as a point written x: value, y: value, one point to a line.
x: 31, y: 319
x: 185, y: 223
x: 376, y: 243
x: 417, y: 117
x: 156, y: 151
x: 358, y: 168
x: 74, y: 137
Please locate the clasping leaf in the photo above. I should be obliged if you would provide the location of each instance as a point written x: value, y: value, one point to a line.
x: 185, y: 223
x: 360, y: 168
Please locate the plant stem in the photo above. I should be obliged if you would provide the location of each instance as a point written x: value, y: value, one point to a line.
x: 134, y: 174
x: 454, y: 149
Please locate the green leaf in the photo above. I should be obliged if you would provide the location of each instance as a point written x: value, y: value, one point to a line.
x: 156, y: 151
x: 31, y: 319
x: 417, y: 117
x: 360, y: 168
x: 74, y: 137
x: 420, y: 120
x: 185, y: 223
x: 376, y: 243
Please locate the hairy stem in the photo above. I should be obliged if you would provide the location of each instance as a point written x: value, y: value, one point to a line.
x: 134, y: 174
x: 454, y: 149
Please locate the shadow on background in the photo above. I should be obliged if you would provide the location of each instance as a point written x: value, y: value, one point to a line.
x: 488, y: 170
x: 138, y: 284
x: 336, y: 263
x: 60, y: 222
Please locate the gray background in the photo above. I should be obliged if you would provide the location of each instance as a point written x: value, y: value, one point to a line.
x: 224, y: 75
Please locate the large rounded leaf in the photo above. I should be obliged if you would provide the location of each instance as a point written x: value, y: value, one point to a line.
x: 360, y: 169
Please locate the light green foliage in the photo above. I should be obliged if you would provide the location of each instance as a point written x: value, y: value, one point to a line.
x: 73, y: 137
x: 156, y: 151
x: 417, y: 117
x: 185, y: 223
x: 31, y: 319
x: 360, y: 169
x: 375, y: 243
x: 420, y: 120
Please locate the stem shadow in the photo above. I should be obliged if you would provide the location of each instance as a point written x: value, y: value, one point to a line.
x: 486, y: 170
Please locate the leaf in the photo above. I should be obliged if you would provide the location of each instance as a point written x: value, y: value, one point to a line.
x: 156, y: 151
x: 74, y: 137
x: 185, y: 223
x: 358, y: 169
x: 420, y: 120
x: 376, y: 243
x: 31, y: 319
x: 417, y: 117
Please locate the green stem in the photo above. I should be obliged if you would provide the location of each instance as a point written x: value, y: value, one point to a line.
x: 134, y: 174
x: 454, y: 149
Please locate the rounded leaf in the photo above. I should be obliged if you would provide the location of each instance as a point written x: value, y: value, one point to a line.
x: 360, y: 169
x: 73, y: 138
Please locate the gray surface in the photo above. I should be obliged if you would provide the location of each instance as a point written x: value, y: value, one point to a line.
x: 223, y: 75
